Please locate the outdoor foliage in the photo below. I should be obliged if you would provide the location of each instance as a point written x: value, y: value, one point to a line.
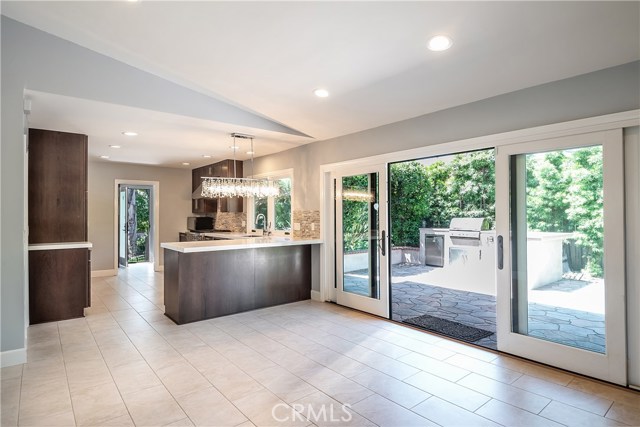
x: 355, y: 215
x: 564, y: 194
x: 438, y: 192
x: 282, y: 205
x: 142, y: 221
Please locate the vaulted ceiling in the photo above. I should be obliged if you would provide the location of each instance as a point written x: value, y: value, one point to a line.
x: 268, y: 57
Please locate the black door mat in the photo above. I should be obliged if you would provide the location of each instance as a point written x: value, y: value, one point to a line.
x: 448, y: 328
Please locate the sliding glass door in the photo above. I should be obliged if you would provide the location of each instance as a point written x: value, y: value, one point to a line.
x: 362, y: 239
x: 560, y: 227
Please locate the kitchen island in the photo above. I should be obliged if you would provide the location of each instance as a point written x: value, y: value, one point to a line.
x: 207, y: 279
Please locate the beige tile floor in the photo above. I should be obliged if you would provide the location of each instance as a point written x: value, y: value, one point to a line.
x: 300, y: 364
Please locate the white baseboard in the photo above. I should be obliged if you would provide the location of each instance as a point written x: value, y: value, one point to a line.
x: 315, y: 295
x: 103, y: 273
x: 13, y: 357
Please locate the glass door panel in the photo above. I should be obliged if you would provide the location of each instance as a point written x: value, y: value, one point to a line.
x: 562, y: 273
x: 123, y: 223
x: 361, y: 240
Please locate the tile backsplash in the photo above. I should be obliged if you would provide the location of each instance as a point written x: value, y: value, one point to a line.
x: 309, y: 224
x: 230, y: 221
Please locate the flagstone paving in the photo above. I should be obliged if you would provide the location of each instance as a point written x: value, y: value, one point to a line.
x: 575, y: 328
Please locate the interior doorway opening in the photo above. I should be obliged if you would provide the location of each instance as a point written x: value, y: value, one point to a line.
x: 136, y: 222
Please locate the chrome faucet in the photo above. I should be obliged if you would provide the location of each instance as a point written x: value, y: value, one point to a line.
x: 263, y: 222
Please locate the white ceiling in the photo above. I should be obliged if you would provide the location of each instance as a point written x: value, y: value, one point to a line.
x: 268, y: 57
x: 163, y: 139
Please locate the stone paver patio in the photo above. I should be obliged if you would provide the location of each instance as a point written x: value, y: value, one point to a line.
x: 577, y: 328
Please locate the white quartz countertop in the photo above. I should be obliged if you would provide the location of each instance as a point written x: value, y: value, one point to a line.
x: 62, y: 245
x: 244, y: 243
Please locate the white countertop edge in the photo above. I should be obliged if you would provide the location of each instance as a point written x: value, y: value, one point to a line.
x: 227, y: 245
x: 61, y: 245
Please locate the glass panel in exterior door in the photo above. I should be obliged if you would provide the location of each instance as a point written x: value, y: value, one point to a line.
x: 557, y: 227
x: 360, y: 224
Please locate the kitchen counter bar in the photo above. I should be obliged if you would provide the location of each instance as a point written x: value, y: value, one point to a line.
x: 232, y: 244
x: 207, y: 279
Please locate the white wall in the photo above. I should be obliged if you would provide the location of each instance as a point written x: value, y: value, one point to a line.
x: 175, y: 205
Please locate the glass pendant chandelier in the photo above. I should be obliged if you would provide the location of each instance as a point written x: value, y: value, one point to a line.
x: 214, y: 187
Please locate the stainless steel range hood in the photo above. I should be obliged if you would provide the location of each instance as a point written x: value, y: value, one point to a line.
x: 197, y: 194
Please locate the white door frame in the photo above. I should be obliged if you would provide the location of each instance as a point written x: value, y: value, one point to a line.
x: 380, y: 305
x: 155, y: 220
x: 610, y: 366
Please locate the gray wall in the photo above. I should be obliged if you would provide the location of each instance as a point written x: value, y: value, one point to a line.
x: 33, y: 59
x: 175, y: 205
x: 603, y: 92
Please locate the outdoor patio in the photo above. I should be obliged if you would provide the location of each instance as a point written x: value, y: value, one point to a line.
x: 567, y: 311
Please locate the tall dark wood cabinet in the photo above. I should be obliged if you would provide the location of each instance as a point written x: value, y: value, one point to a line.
x: 57, y: 186
x: 59, y: 254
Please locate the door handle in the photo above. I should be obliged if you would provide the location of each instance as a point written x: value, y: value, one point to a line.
x: 500, y: 254
x: 383, y: 245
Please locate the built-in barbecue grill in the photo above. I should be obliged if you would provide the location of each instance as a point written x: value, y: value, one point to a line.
x: 466, y: 231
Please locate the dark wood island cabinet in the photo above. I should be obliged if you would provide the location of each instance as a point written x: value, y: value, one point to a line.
x: 234, y: 276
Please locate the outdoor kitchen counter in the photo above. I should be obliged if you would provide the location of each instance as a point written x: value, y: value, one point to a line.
x: 207, y: 279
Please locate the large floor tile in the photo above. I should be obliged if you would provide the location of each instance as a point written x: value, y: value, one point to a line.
x: 533, y: 370
x: 87, y: 374
x: 96, y: 405
x: 571, y: 416
x: 232, y: 382
x: 506, y: 393
x: 449, y: 415
x: 578, y: 399
x: 210, y: 408
x: 324, y: 411
x: 134, y: 376
x: 264, y: 408
x: 395, y: 390
x: 629, y: 414
x: 182, y: 378
x: 449, y: 391
x: 384, y: 413
x: 153, y: 407
x: 10, y: 401
x: 606, y: 391
x: 283, y: 384
x: 435, y: 367
x: 510, y: 416
x: 484, y: 368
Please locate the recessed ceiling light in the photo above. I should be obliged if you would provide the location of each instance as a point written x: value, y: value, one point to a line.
x: 115, y: 146
x: 234, y: 147
x: 321, y: 93
x: 250, y: 152
x: 104, y: 157
x: 129, y: 133
x: 206, y: 156
x: 439, y: 43
x: 185, y: 163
